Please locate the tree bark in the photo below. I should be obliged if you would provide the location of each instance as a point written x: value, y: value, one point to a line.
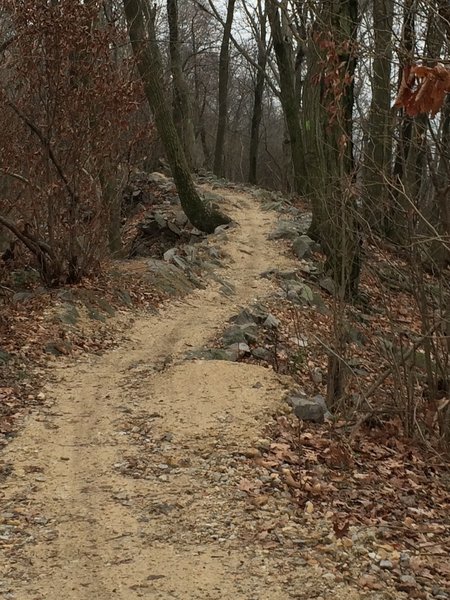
x: 328, y: 138
x: 288, y: 94
x: 142, y: 33
x: 224, y: 62
x: 258, y: 98
x: 377, y: 163
x: 182, y: 113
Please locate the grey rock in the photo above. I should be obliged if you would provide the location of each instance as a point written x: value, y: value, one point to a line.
x: 227, y: 289
x: 386, y: 564
x: 271, y: 322
x: 286, y: 230
x: 241, y: 348
x: 157, y: 178
x: 313, y: 409
x: 181, y: 218
x: 240, y: 333
x: 160, y: 220
x: 277, y: 274
x: 169, y: 254
x: 227, y: 354
x: 408, y: 580
x: 221, y: 229
x: 405, y: 560
x: 180, y: 262
x: 169, y: 278
x: 262, y: 353
x: 255, y: 314
x: 328, y: 285
x: 302, y: 246
x: 174, y: 228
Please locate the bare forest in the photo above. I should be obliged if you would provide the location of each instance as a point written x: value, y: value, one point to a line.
x: 283, y: 168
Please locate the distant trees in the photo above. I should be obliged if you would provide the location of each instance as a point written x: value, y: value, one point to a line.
x: 141, y: 25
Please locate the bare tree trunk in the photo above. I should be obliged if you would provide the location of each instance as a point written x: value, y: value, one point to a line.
x: 148, y: 57
x: 328, y: 139
x: 224, y: 62
x: 289, y: 99
x: 258, y: 97
x: 181, y: 101
x: 377, y: 163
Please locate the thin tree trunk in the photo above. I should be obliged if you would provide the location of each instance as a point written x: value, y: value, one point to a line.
x: 143, y: 40
x: 258, y: 99
x: 377, y: 167
x: 224, y: 62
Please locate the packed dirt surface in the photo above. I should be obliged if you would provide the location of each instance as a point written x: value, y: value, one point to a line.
x: 128, y: 479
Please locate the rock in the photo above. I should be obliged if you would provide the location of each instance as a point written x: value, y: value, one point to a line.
x: 285, y: 230
x: 277, y: 274
x: 174, y: 228
x: 302, y: 246
x: 271, y: 322
x: 221, y: 228
x: 228, y: 354
x: 240, y: 333
x: 255, y: 314
x: 160, y: 220
x: 169, y: 254
x: 328, y: 285
x: 262, y: 353
x: 181, y: 263
x: 169, y: 278
x: 241, y: 348
x: 158, y: 178
x: 386, y: 564
x: 408, y: 580
x: 313, y: 409
x: 181, y: 218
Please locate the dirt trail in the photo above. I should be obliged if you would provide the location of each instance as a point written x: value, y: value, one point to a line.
x: 171, y: 529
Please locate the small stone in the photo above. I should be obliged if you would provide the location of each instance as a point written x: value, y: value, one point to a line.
x: 386, y: 564
x: 409, y: 580
x: 169, y: 254
x: 271, y: 322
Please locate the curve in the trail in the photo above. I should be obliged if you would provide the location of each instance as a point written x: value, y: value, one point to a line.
x: 157, y: 536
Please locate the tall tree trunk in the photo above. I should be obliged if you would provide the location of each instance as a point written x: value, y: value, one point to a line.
x: 181, y: 102
x: 327, y: 113
x: 143, y: 40
x: 224, y: 62
x: 258, y: 98
x: 288, y: 95
x: 377, y: 162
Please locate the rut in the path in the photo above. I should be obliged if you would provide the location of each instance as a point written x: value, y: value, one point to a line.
x: 174, y: 532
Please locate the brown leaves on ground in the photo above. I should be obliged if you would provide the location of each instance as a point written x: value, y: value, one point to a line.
x: 423, y: 89
x: 388, y: 488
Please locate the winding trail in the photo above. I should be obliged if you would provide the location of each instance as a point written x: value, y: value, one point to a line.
x: 150, y: 510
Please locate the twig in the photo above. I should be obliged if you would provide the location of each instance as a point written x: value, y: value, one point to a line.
x: 382, y: 378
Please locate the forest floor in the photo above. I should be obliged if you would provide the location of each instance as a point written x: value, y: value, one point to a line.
x: 134, y: 478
